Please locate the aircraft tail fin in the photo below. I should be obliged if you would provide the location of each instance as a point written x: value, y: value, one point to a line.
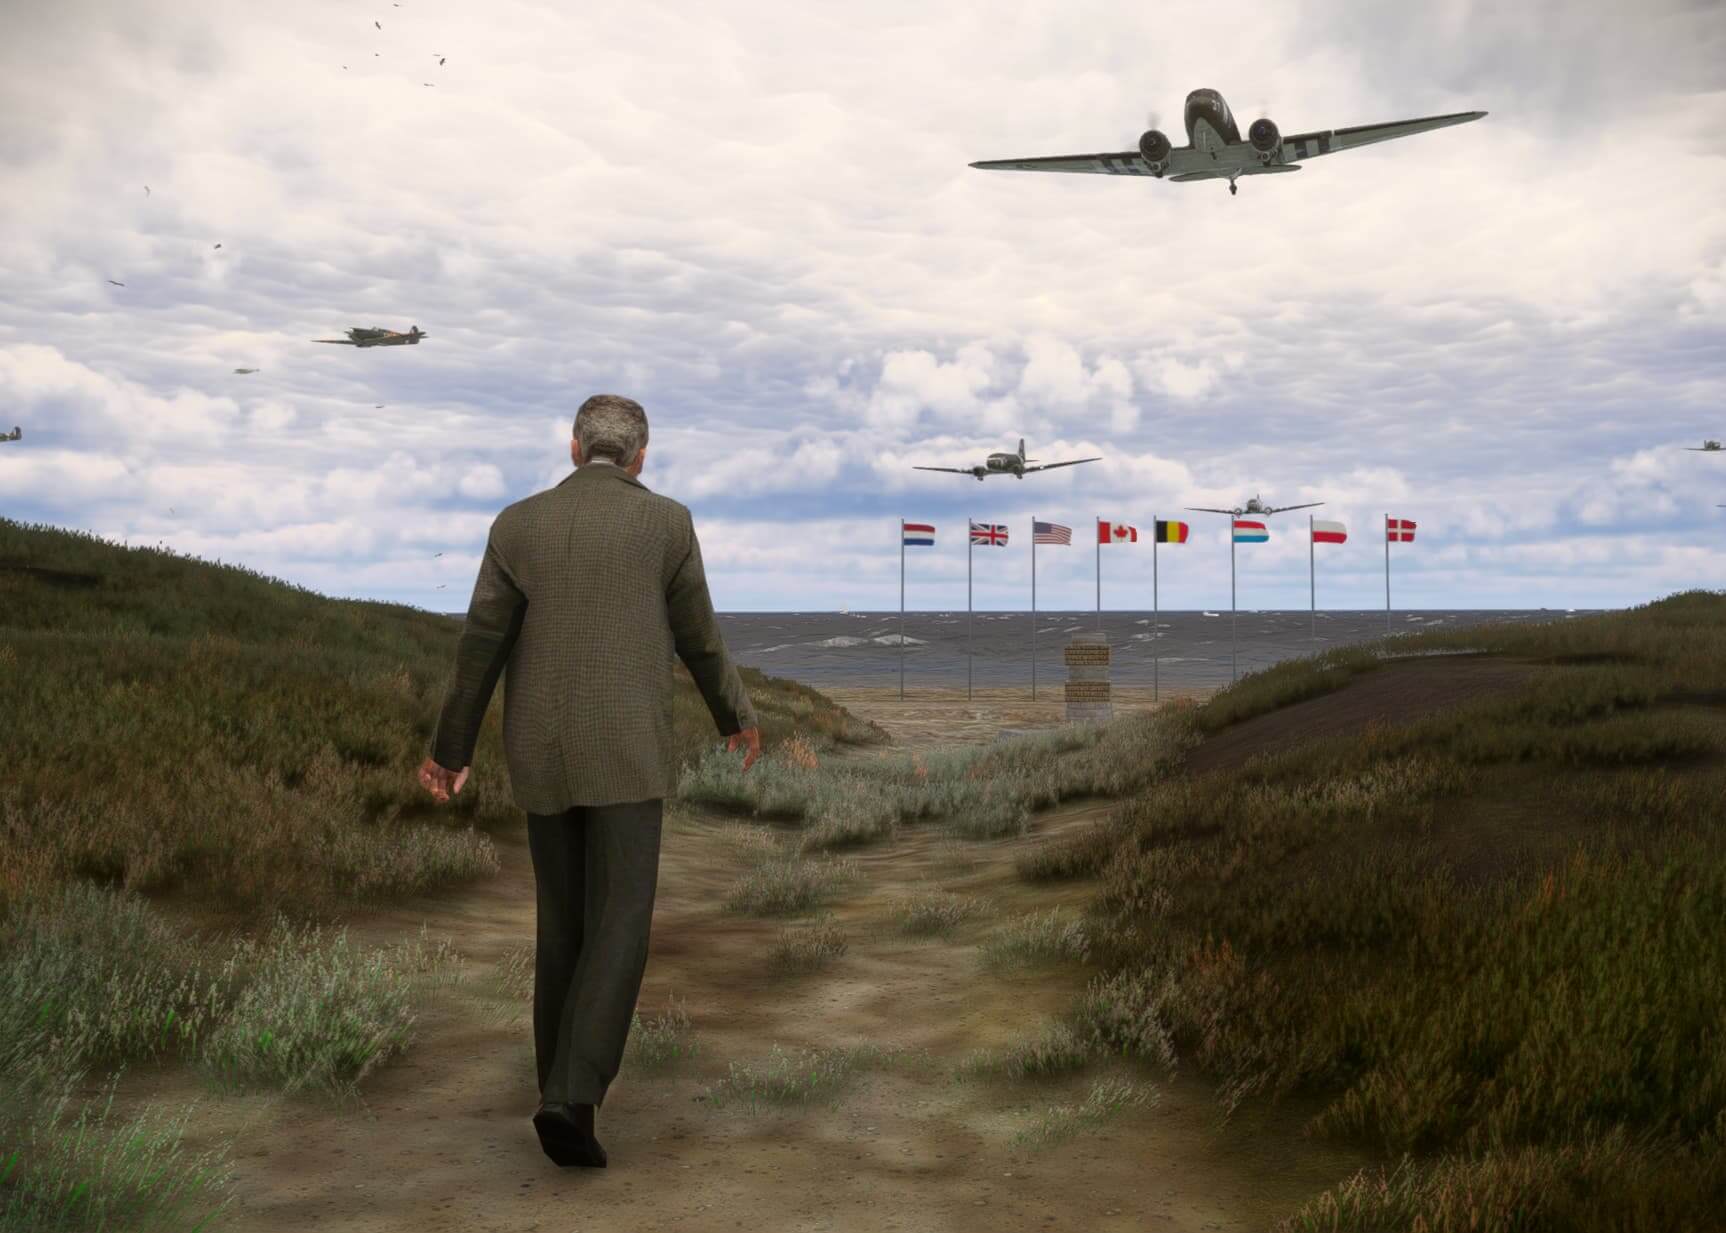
x: 1021, y: 449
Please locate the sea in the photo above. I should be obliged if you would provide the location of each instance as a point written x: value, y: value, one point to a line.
x: 1180, y: 650
x: 1172, y: 649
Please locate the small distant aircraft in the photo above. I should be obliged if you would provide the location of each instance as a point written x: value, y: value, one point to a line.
x: 359, y: 336
x: 244, y: 371
x: 1215, y: 151
x: 1255, y: 506
x: 17, y: 434
x: 1707, y: 447
x: 1007, y: 464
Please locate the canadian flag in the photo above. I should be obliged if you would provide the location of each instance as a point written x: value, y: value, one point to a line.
x: 1399, y: 530
x: 1116, y: 533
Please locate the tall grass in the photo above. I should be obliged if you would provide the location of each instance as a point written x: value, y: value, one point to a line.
x: 1539, y: 1046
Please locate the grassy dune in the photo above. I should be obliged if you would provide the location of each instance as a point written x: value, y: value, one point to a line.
x: 1487, y: 944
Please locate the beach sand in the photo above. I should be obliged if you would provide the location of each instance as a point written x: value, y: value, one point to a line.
x: 933, y: 715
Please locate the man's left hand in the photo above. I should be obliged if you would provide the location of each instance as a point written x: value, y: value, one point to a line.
x: 441, y: 783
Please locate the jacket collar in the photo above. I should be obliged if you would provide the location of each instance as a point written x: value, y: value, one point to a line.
x: 596, y: 471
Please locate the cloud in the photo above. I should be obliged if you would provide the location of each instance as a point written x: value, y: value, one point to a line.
x: 784, y: 255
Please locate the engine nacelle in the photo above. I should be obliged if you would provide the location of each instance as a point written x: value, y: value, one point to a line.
x: 1154, y: 148
x: 1264, y: 136
x: 979, y: 472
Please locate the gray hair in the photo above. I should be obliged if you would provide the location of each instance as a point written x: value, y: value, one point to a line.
x: 611, y: 426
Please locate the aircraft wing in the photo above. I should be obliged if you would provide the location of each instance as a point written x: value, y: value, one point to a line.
x: 1126, y: 163
x: 954, y: 470
x: 1310, y: 145
x: 1075, y: 462
x: 1199, y: 509
x: 344, y: 342
x: 1283, y: 509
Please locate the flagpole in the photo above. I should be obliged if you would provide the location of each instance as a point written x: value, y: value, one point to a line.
x: 1033, y: 606
x: 970, y: 551
x: 1231, y: 599
x: 1100, y: 570
x: 1387, y: 575
x: 1155, y: 536
x: 901, y: 609
x: 1312, y: 574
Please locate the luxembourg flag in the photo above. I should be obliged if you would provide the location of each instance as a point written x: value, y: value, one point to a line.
x: 1328, y: 532
x: 920, y: 533
x: 1248, y: 531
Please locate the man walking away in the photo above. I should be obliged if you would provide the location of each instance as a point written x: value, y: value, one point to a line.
x: 585, y: 592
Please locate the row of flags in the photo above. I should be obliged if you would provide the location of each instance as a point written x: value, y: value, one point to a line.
x: 1167, y: 531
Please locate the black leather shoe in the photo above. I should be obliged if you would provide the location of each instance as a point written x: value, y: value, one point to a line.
x: 567, y: 1136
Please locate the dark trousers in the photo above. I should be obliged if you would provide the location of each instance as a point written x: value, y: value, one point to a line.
x: 595, y: 868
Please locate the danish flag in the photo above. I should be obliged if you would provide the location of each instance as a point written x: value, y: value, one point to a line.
x: 1399, y: 530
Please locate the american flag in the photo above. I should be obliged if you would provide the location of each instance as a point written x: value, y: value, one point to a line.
x: 1050, y: 533
x: 989, y: 533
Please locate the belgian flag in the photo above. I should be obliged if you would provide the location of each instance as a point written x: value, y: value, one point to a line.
x: 1171, y: 532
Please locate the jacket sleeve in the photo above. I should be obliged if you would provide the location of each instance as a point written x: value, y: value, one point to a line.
x: 493, y: 622
x: 699, y: 643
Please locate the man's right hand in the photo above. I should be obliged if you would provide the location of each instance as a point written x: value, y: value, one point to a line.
x: 753, y: 737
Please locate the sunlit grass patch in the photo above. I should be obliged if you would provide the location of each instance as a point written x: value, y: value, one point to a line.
x: 809, y: 948
x: 933, y: 912
x: 1037, y: 939
x: 96, y: 1172
x: 1056, y: 1050
x: 1106, y: 1098
x: 786, y: 886
x: 809, y: 1077
x: 846, y: 815
x: 985, y: 792
x: 659, y: 1042
x: 313, y: 1013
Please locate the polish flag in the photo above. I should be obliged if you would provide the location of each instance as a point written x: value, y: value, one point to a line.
x: 1328, y: 532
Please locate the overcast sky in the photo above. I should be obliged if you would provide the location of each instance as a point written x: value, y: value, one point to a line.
x: 757, y: 219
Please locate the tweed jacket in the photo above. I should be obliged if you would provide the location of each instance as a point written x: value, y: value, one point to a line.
x: 585, y: 592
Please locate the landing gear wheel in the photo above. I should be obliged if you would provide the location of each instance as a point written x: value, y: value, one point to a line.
x: 1232, y: 189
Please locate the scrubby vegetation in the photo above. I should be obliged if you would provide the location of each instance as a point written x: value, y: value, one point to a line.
x: 1484, y: 944
x: 182, y: 725
x: 1527, y: 1016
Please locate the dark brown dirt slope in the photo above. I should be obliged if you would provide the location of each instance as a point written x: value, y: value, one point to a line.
x: 1405, y: 689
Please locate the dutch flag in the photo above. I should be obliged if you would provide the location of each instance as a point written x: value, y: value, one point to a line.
x: 921, y: 533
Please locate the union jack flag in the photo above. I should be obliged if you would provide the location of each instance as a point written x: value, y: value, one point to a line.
x: 989, y: 533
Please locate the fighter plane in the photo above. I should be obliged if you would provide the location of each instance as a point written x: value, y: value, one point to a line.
x: 359, y: 336
x: 17, y: 434
x: 1215, y: 151
x: 1254, y: 506
x: 1007, y: 464
x: 1707, y: 447
x: 245, y: 371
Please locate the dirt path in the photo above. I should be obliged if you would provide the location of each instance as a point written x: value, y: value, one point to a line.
x: 444, y: 1141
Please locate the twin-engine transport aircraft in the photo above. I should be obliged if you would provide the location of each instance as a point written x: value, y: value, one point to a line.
x: 360, y: 336
x: 1255, y: 506
x: 1215, y: 151
x: 1007, y: 464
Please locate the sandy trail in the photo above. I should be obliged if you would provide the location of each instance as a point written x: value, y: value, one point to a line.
x: 444, y: 1140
